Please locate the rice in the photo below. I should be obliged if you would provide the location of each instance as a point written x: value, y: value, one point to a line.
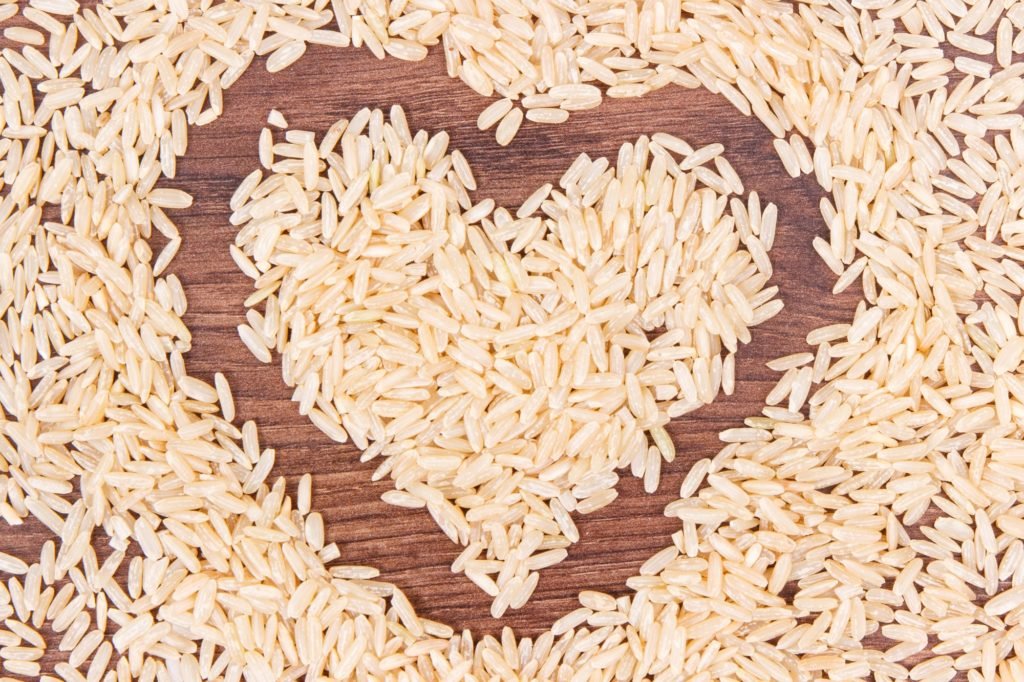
x: 277, y: 119
x: 24, y: 35
x: 484, y: 371
x: 797, y: 557
x: 254, y: 343
x: 509, y: 126
x: 533, y: 202
x: 969, y: 43
x: 790, y: 361
x: 224, y: 397
x: 789, y: 158
x: 285, y: 56
x: 493, y: 113
x: 170, y: 198
x: 547, y: 115
x: 12, y: 565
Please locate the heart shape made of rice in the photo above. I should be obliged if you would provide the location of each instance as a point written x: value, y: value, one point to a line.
x: 501, y: 366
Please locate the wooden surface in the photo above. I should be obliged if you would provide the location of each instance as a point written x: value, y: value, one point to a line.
x: 406, y: 545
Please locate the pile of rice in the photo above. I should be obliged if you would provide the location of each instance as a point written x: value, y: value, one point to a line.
x: 502, y: 366
x: 802, y: 553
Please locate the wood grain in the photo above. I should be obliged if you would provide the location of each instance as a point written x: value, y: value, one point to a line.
x: 405, y: 544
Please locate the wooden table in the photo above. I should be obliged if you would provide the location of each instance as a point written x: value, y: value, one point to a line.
x: 406, y: 545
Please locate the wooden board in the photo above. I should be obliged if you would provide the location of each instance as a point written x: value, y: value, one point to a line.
x: 406, y: 545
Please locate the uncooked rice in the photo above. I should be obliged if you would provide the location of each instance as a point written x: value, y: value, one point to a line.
x: 875, y: 529
x: 486, y: 358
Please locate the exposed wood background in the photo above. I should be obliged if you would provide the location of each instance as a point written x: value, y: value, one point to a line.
x: 406, y: 545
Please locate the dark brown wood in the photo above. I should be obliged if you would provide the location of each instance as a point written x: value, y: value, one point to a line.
x: 406, y: 545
